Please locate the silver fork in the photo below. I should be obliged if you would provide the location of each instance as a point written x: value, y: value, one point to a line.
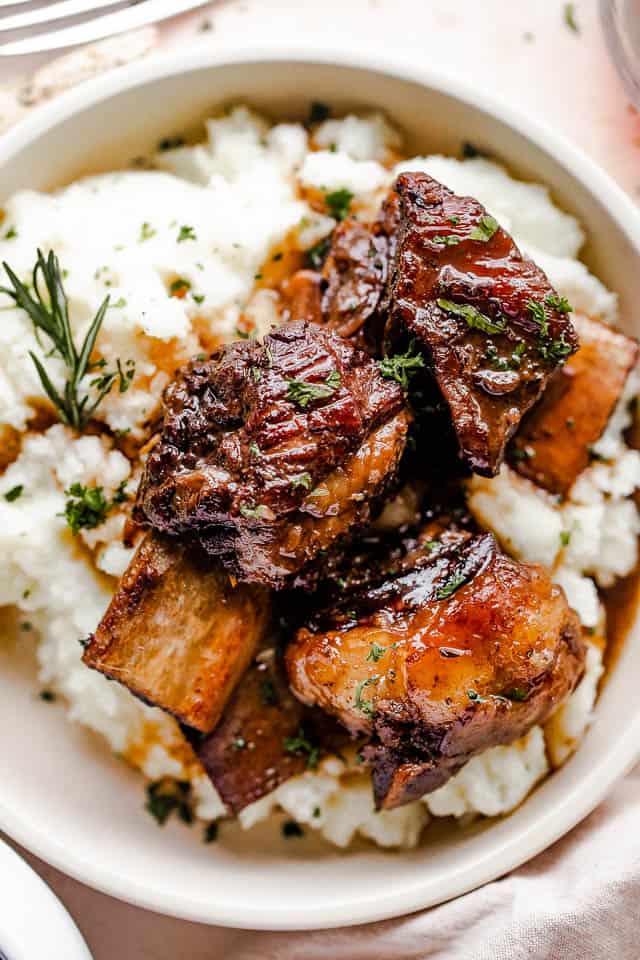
x: 130, y: 15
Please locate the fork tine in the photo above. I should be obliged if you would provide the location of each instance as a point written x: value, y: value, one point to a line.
x: 111, y: 23
x: 53, y: 11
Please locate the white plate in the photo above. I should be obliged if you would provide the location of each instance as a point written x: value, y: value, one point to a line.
x: 61, y: 794
x: 33, y: 922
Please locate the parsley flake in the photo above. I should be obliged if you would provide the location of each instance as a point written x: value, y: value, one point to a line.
x: 485, y: 229
x: 146, y: 232
x: 450, y: 587
x: 569, y: 14
x: 303, y: 393
x: 186, y: 233
x: 376, y: 652
x: 339, y: 203
x: 365, y: 706
x: 301, y: 745
x: 165, y: 797
x: 475, y: 320
x: 87, y: 507
x: 15, y: 492
x: 403, y: 366
x: 450, y: 240
x: 302, y: 480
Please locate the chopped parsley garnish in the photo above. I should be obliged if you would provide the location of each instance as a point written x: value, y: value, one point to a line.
x: 302, y: 480
x: 303, y: 393
x: 338, y: 203
x: 277, y: 256
x: 254, y: 449
x: 485, y: 229
x: 14, y: 493
x: 316, y: 255
x: 519, y: 694
x: 290, y: 828
x: 268, y: 693
x: 300, y: 745
x: 561, y: 304
x: 523, y: 453
x: 186, y: 233
x: 555, y: 351
x: 165, y: 797
x: 475, y: 320
x: 254, y: 513
x: 146, y: 232
x: 359, y: 703
x: 512, y: 362
x: 565, y: 537
x: 179, y: 288
x: 449, y: 240
x: 376, y: 652
x: 450, y: 587
x: 538, y: 314
x: 239, y: 743
x: 318, y: 112
x: 198, y: 298
x: 403, y: 366
x: 11, y: 234
x: 48, y: 310
x: 210, y: 833
x: 48, y: 696
x: 123, y: 376
x: 87, y: 507
x: 570, y: 17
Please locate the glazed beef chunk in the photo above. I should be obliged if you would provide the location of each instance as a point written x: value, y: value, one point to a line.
x: 354, y: 280
x: 552, y: 445
x: 270, y: 453
x: 490, y: 324
x: 458, y: 649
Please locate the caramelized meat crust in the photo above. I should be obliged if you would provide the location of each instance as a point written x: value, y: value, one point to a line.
x: 270, y: 452
x: 490, y: 323
x: 462, y: 649
x: 177, y: 633
x: 552, y: 444
x: 355, y: 277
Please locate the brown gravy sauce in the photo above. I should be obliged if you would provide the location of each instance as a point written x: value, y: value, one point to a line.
x: 621, y: 602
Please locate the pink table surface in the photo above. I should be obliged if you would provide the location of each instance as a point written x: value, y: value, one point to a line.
x: 514, y: 49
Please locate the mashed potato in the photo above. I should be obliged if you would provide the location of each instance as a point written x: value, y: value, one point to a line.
x: 208, y: 217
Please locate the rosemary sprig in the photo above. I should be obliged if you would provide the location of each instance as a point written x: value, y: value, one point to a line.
x: 49, y: 314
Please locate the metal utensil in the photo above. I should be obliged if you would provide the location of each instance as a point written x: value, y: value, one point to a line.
x: 137, y: 13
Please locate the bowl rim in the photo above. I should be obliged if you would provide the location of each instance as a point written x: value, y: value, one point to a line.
x: 581, y: 797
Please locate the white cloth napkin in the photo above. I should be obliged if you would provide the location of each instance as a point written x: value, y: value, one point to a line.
x: 579, y: 900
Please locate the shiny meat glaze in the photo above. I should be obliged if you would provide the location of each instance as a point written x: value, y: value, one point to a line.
x: 268, y: 452
x: 467, y: 650
x: 354, y: 280
x: 553, y: 442
x: 489, y: 321
x: 177, y: 633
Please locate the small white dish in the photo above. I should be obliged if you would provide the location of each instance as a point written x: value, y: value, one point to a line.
x: 33, y: 922
x: 90, y: 821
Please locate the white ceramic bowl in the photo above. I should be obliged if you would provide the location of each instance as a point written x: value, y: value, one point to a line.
x: 33, y: 922
x: 61, y: 794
